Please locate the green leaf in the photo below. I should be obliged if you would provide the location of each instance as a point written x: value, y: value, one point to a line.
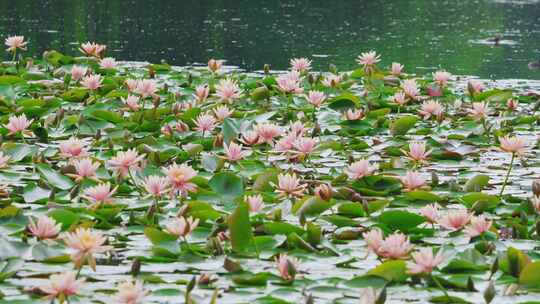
x: 33, y: 193
x: 64, y: 216
x: 448, y: 300
x: 530, y: 275
x: 227, y: 184
x: 311, y: 205
x: 109, y: 116
x: 364, y: 281
x: 158, y: 237
x: 392, y: 271
x: 257, y: 279
x: 400, y: 220
x: 240, y: 228
x: 281, y: 228
x: 420, y: 195
x: 477, y: 183
x: 54, y: 178
x: 344, y: 102
x: 230, y: 129
x: 402, y: 125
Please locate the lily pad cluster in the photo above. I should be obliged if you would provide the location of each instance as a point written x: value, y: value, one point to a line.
x: 149, y: 183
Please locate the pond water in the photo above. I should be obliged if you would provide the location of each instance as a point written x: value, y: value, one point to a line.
x: 422, y: 34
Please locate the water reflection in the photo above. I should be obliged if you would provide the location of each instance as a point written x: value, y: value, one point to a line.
x: 425, y: 34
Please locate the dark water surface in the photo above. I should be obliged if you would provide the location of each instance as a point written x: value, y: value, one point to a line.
x: 422, y: 34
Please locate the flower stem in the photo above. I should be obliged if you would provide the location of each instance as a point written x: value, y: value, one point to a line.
x: 507, y: 174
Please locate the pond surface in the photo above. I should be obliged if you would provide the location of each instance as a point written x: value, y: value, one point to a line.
x: 423, y: 35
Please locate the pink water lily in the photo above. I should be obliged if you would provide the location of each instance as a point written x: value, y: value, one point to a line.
x: 267, y: 132
x: 431, y: 108
x: 430, y: 212
x: 15, y: 42
x: 44, y: 228
x: 331, y: 81
x: 395, y: 246
x: 132, y: 102
x: 214, y: 65
x: 410, y: 88
x: 84, y: 243
x: 234, y: 152
x: 400, y: 98
x: 84, y: 168
x: 424, y: 261
x: 354, y: 114
x: 18, y: 124
x: 179, y: 178
x: 289, y: 83
x: 305, y: 145
x: 289, y: 185
x: 100, y: 194
x: 108, y: 63
x: 78, y: 72
x: 131, y: 293
x: 92, y: 82
x: 441, y: 78
x: 73, y: 148
x: 479, y: 110
x: 4, y: 160
x: 287, y: 266
x: 417, y: 151
x: 222, y: 112
x: 125, y: 161
x: 513, y: 144
x: 412, y: 180
x: 359, y: 169
x: 92, y: 49
x: 227, y: 90
x: 368, y: 58
x: 61, y: 286
x: 205, y: 123
x: 300, y: 64
x: 374, y: 239
x: 201, y: 93
x: 396, y: 68
x: 146, y: 88
x: 455, y: 219
x: 182, y: 227
x: 156, y: 186
x: 316, y: 98
x: 478, y: 225
x: 255, y: 202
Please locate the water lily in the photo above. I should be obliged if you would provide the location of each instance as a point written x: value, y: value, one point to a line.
x: 430, y: 212
x: 359, y: 169
x: 100, y: 194
x: 478, y: 225
x: 61, y: 286
x: 4, y: 160
x: 227, y: 90
x: 78, y: 72
x: 182, y: 227
x: 125, y: 161
x: 234, y: 152
x: 85, y: 243
x: 431, y: 108
x: 396, y: 68
x: 412, y: 180
x: 424, y: 261
x: 300, y: 64
x: 214, y: 65
x: 130, y: 292
x: 417, y: 151
x: 441, y: 78
x: 455, y: 219
x: 287, y: 266
x: 316, y: 98
x: 18, y: 124
x: 156, y: 186
x: 44, y: 228
x: 73, y: 148
x: 205, y: 123
x: 290, y: 185
x: 92, y: 82
x: 15, y: 42
x: 92, y: 49
x: 179, y: 177
x: 84, y: 168
x: 255, y: 202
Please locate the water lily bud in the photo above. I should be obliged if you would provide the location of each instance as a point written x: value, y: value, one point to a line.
x: 489, y: 293
x: 218, y: 141
x: 470, y: 284
x: 59, y: 115
x: 260, y: 93
x: 151, y: 72
x: 181, y: 126
x: 191, y: 284
x: 231, y: 265
x: 190, y: 79
x: 494, y: 267
x: 324, y: 192
x: 511, y: 289
x: 266, y: 69
x: 536, y: 187
x: 157, y: 101
x: 311, y: 78
x: 176, y: 108
x: 434, y: 179
x: 309, y: 299
x: 98, y: 135
x: 537, y: 226
x: 332, y: 68
x: 381, y: 298
x: 214, y: 246
x: 136, y: 267
x: 205, y: 279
